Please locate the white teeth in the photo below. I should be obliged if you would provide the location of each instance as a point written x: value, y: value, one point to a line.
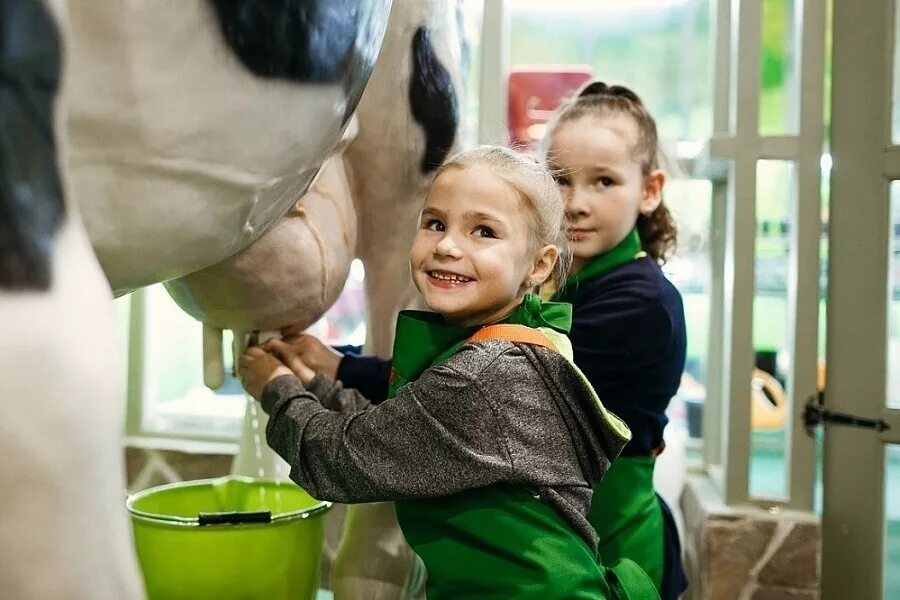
x: 449, y: 277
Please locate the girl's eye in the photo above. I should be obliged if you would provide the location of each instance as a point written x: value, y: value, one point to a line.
x: 561, y: 181
x: 605, y: 181
x: 433, y: 225
x: 485, y: 232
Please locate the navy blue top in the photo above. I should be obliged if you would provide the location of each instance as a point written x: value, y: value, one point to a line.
x: 629, y: 339
x: 628, y: 336
x: 369, y: 375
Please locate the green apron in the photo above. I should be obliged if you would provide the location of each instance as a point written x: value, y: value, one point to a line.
x: 625, y: 511
x: 498, y: 542
x: 627, y: 516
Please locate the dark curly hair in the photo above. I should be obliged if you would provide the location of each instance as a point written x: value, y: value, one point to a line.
x: 658, y: 232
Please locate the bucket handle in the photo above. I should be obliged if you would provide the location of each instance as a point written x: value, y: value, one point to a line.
x: 234, y: 518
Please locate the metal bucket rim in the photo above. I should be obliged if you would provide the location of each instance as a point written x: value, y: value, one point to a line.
x: 320, y: 507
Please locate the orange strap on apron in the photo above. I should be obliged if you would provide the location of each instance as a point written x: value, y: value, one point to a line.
x: 512, y: 333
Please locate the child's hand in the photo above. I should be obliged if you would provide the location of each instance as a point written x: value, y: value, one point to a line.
x: 257, y: 368
x: 313, y: 353
x: 293, y: 357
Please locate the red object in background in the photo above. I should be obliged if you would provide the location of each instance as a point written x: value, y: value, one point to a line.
x: 534, y: 93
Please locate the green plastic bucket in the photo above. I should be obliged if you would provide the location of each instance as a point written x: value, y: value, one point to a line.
x: 232, y: 537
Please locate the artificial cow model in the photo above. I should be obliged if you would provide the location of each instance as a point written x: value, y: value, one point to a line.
x: 183, y: 130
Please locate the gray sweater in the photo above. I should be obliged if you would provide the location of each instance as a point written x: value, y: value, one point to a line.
x: 496, y: 412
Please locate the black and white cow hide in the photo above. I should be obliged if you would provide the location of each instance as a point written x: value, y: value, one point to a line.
x: 63, y: 527
x: 183, y: 129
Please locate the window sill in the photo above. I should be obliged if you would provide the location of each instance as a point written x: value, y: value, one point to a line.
x: 188, y: 446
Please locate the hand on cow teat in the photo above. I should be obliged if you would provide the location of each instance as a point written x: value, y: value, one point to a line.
x: 257, y: 368
x: 292, y: 358
x: 311, y: 352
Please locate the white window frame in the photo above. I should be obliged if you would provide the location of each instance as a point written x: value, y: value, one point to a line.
x: 730, y: 161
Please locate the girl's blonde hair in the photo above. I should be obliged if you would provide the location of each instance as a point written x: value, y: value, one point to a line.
x: 658, y: 232
x: 534, y: 184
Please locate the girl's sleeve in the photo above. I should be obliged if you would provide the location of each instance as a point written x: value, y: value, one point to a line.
x: 336, y: 396
x: 437, y: 437
x: 368, y: 374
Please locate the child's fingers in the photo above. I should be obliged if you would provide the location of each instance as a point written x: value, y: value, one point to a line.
x: 279, y: 349
x: 248, y: 359
x: 269, y: 346
x: 306, y: 342
x: 254, y: 352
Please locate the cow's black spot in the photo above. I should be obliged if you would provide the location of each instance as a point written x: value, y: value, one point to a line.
x: 432, y: 99
x: 307, y: 41
x: 31, y: 202
x: 300, y: 40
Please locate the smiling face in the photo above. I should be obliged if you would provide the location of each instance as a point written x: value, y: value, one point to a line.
x: 474, y: 254
x: 603, y: 184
